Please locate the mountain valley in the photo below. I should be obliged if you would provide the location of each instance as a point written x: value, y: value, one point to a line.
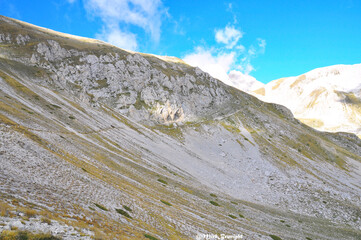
x: 97, y: 142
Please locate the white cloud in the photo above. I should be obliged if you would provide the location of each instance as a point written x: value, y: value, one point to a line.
x: 251, y: 51
x: 216, y: 64
x: 241, y: 48
x: 229, y: 36
x: 247, y: 67
x: 118, y: 38
x: 146, y: 14
x: 219, y: 65
x: 230, y: 63
x: 261, y: 43
x: 243, y: 81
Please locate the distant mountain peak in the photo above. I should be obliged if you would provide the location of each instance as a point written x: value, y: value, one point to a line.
x: 321, y: 97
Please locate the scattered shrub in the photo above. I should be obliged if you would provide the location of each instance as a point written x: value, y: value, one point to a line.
x: 150, y: 237
x: 232, y: 216
x: 213, y: 195
x: 162, y: 181
x: 166, y: 203
x: 214, y: 203
x: 124, y: 213
x: 240, y: 215
x: 72, y: 117
x: 101, y: 207
x: 274, y: 237
x: 127, y: 208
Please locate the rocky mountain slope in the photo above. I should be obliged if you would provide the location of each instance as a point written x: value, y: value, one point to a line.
x: 101, y: 143
x: 328, y: 99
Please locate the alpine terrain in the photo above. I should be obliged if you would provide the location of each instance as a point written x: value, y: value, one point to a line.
x: 328, y: 99
x: 97, y: 142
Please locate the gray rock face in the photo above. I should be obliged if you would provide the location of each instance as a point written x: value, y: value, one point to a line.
x: 129, y: 83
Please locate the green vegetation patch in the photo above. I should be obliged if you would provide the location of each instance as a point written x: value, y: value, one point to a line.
x: 214, y: 203
x: 24, y: 235
x: 101, y: 207
x: 166, y: 203
x: 170, y: 130
x: 139, y: 103
x: 240, y: 215
x: 232, y: 216
x: 124, y: 213
x: 150, y: 237
x: 274, y: 237
x: 213, y: 195
x: 162, y: 181
x: 230, y: 128
x: 127, y: 208
x: 102, y: 83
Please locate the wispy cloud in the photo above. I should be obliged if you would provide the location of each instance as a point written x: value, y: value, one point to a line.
x: 11, y: 10
x: 229, y: 36
x: 254, y: 50
x: 116, y: 14
x: 230, y: 61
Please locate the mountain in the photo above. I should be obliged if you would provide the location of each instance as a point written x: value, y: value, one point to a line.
x: 328, y: 99
x: 101, y: 143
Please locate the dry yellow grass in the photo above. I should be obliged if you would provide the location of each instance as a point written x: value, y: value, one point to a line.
x: 16, y: 235
x: 260, y: 91
x: 4, y: 209
x: 278, y: 82
x: 298, y: 80
x: 29, y: 213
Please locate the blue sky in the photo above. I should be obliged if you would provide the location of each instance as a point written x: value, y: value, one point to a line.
x: 267, y: 39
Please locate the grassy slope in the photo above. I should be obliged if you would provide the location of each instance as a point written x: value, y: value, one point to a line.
x: 105, y: 149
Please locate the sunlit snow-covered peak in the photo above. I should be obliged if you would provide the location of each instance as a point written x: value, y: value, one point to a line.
x: 326, y: 98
